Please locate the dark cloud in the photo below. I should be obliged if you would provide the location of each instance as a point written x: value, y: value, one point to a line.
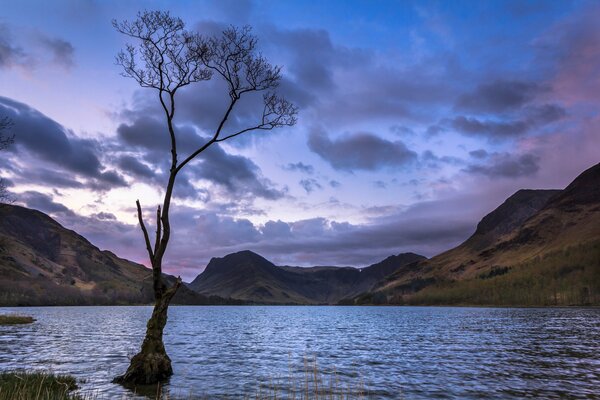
x: 431, y: 160
x: 42, y: 202
x: 29, y: 51
x: 10, y: 53
x: 273, y: 230
x: 310, y: 185
x: 334, y: 184
x: 479, y: 153
x: 300, y: 167
x: 360, y: 151
x: 61, y: 50
x: 507, y: 166
x: 46, y: 140
x: 495, y: 129
x: 201, y: 235
x: 104, y: 216
x: 530, y: 118
x: 150, y: 133
x: 133, y: 166
x: 499, y: 96
x: 237, y: 174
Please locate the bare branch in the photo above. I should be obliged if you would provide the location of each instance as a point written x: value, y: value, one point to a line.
x: 158, y: 228
x: 167, y: 56
x: 145, y: 231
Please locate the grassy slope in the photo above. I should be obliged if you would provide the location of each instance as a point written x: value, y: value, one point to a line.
x: 551, y: 258
x: 43, y: 263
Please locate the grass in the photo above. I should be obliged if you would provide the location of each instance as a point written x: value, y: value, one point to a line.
x: 314, y: 385
x: 15, y: 319
x: 33, y: 385
x: 568, y: 277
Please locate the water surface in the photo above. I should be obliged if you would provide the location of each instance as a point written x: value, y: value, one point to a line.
x: 392, y: 352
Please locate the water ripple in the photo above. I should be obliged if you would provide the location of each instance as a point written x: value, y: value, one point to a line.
x: 396, y: 352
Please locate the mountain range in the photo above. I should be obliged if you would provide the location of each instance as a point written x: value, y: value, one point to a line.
x: 539, y: 247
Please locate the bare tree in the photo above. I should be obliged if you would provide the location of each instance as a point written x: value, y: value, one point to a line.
x: 167, y: 58
x: 5, y: 141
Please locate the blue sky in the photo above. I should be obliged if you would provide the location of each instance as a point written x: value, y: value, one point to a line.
x: 416, y: 119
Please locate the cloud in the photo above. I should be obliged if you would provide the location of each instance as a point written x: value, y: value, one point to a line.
x: 133, y: 166
x: 499, y: 96
x: 300, y: 167
x: 61, y: 50
x: 507, y: 166
x: 236, y: 174
x: 29, y: 50
x: 310, y: 185
x: 479, y: 153
x: 530, y: 119
x: 10, y: 53
x: 571, y: 48
x: 360, y: 151
x: 46, y: 140
x: 42, y: 202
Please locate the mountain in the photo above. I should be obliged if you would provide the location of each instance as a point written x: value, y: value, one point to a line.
x: 540, y: 247
x: 248, y: 276
x: 43, y: 263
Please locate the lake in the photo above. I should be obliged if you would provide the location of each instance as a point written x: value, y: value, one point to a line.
x: 390, y: 352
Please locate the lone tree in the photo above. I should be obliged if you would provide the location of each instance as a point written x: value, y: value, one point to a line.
x: 5, y: 140
x: 166, y: 58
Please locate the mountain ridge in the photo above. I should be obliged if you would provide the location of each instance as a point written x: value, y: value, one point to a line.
x: 552, y: 238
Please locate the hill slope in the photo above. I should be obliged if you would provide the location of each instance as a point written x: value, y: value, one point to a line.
x: 43, y: 263
x: 537, y: 248
x: 250, y: 277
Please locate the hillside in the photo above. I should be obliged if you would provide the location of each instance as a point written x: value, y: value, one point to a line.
x: 43, y: 263
x: 250, y: 277
x: 537, y: 248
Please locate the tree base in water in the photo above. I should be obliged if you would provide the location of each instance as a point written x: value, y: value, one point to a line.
x: 146, y: 369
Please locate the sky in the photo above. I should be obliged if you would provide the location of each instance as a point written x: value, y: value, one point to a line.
x: 415, y: 120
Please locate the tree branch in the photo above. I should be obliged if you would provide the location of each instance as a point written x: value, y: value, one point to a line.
x: 145, y: 231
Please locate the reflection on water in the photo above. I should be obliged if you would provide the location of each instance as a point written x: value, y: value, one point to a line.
x: 397, y: 352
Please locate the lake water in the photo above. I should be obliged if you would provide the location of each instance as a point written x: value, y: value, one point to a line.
x: 389, y: 352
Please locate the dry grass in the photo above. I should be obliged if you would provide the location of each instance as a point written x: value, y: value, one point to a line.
x: 15, y: 319
x: 32, y: 385
x: 314, y: 385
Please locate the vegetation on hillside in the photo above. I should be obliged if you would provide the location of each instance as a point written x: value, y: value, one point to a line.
x: 569, y: 277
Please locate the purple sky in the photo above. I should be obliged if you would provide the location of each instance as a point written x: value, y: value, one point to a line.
x: 416, y: 119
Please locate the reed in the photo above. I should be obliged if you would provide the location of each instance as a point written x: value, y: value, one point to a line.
x: 15, y: 319
x: 35, y: 385
x: 313, y: 384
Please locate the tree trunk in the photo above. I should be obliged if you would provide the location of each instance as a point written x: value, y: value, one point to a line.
x: 152, y: 364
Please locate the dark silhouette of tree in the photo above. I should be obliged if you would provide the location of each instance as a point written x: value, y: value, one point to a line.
x: 166, y: 59
x: 5, y: 141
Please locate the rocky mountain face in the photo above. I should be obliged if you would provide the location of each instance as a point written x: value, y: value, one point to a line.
x: 43, y: 263
x: 247, y: 276
x: 540, y: 247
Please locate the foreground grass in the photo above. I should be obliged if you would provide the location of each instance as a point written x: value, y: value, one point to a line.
x: 314, y: 385
x: 31, y: 385
x: 15, y: 319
